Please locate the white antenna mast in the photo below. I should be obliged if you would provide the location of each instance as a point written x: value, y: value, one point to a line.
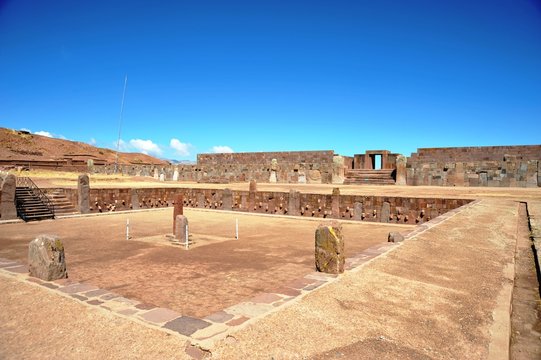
x: 120, y: 121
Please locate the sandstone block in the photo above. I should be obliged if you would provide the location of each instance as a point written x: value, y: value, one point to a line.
x: 401, y: 161
x: 395, y: 237
x: 227, y: 199
x: 83, y: 194
x: 8, y: 210
x: 178, y: 209
x: 253, y: 185
x: 46, y: 258
x: 385, y: 212
x: 181, y: 223
x: 329, y: 248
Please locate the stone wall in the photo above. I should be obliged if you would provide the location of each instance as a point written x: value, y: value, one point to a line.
x: 289, y: 167
x: 493, y: 166
x: 388, y: 209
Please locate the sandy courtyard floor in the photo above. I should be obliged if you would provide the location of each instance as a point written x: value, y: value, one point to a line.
x: 218, y: 272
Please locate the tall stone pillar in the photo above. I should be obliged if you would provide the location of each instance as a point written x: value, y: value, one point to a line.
x: 335, y: 202
x: 401, y: 162
x: 227, y: 199
x: 8, y: 211
x: 134, y: 199
x: 83, y: 194
x: 178, y: 209
x: 338, y: 170
x: 294, y: 203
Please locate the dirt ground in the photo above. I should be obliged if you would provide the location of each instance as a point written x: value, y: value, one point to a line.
x: 216, y: 273
x: 434, y: 297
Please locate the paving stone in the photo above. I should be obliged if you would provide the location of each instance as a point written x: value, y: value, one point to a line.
x: 79, y: 297
x: 127, y: 312
x: 314, y: 286
x: 159, y: 315
x: 49, y: 285
x: 96, y: 293
x: 238, y: 321
x: 64, y: 282
x: 124, y: 300
x: 186, y: 325
x: 287, y: 291
x: 211, y: 331
x: 219, y: 317
x: 145, y: 306
x: 94, y: 302
x: 18, y: 269
x: 34, y: 280
x: 249, y: 309
x: 320, y: 276
x: 265, y: 298
x: 109, y: 296
x: 196, y: 352
x: 77, y: 288
x: 300, y: 283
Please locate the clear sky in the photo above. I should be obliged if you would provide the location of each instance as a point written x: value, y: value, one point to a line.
x: 208, y: 76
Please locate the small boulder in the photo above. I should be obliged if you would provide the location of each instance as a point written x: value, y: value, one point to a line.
x: 395, y: 237
x: 46, y: 258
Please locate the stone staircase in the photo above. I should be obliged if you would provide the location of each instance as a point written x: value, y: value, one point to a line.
x: 32, y: 205
x: 62, y: 206
x: 371, y: 177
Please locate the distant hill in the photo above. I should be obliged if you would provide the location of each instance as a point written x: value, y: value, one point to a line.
x: 24, y: 146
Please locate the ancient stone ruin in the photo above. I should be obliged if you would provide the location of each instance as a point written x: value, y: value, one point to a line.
x: 329, y: 248
x: 46, y: 259
x: 83, y: 193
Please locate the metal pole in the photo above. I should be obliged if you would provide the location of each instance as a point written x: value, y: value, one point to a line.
x: 120, y: 121
x: 127, y: 229
x: 186, y: 243
x: 237, y: 229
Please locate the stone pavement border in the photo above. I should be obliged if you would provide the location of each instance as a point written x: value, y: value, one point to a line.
x: 202, y: 333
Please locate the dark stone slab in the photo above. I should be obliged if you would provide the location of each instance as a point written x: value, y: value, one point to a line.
x: 186, y: 325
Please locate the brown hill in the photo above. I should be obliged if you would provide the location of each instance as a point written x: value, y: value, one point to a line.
x: 24, y: 146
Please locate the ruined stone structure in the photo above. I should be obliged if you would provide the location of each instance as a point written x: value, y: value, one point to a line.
x: 83, y: 193
x: 46, y: 258
x: 329, y: 248
x: 8, y: 210
x: 494, y: 166
x: 389, y: 209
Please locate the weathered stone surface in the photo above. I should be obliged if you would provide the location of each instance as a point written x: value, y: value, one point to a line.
x: 338, y: 170
x: 253, y: 186
x: 178, y: 209
x: 46, y: 258
x: 162, y: 177
x: 181, y: 222
x: 358, y: 211
x: 483, y: 179
x: 83, y: 194
x: 175, y: 175
x: 313, y: 177
x: 335, y: 206
x: 156, y: 174
x: 302, y: 178
x: 395, y: 237
x: 227, y: 199
x: 385, y: 212
x: 8, y: 210
x: 134, y: 199
x: 294, y: 203
x: 539, y: 173
x: 401, y: 162
x: 200, y: 200
x: 329, y: 248
x: 273, y: 178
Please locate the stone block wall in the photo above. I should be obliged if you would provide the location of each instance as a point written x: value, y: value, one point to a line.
x: 290, y: 167
x: 492, y: 166
x: 387, y: 209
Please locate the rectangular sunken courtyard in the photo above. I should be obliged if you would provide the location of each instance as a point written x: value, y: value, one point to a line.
x: 217, y: 272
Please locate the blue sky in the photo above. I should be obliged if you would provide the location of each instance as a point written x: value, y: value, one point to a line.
x: 208, y: 76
